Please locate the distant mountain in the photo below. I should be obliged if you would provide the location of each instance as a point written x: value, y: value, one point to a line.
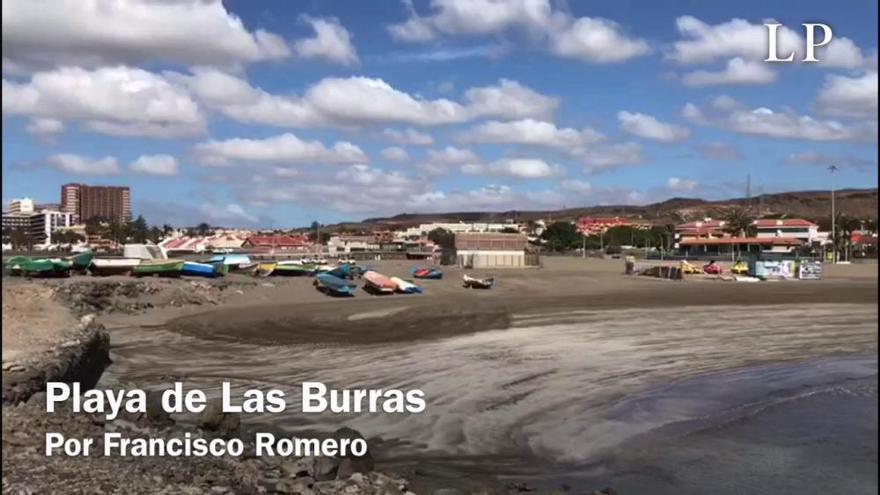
x: 811, y: 205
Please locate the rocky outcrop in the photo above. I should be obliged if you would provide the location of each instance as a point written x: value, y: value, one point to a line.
x: 81, y: 357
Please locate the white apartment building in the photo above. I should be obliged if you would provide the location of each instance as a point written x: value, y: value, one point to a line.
x: 796, y: 228
x: 457, y: 228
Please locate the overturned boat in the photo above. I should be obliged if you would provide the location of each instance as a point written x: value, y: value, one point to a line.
x: 405, y: 286
x: 113, y: 266
x: 333, y: 285
x: 427, y: 273
x: 478, y: 283
x: 158, y: 268
x: 378, y: 284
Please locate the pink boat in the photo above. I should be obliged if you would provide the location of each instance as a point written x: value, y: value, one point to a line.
x: 377, y: 282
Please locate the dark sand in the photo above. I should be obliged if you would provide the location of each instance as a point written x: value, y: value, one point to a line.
x: 292, y: 311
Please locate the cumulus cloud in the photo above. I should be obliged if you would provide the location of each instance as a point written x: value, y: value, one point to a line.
x: 609, y: 157
x: 362, y: 101
x: 83, y: 165
x: 523, y: 168
x: 162, y: 165
x: 681, y: 185
x: 595, y: 40
x: 332, y: 42
x: 725, y: 103
x: 408, y: 136
x: 395, y: 154
x: 284, y: 149
x: 648, y: 127
x: 737, y: 71
x: 451, y: 155
x: 531, y: 132
x: 231, y: 212
x: 843, y: 96
x: 93, y: 33
x: 44, y: 127
x: 705, y: 43
x: 589, y: 39
x: 693, y: 113
x: 112, y: 100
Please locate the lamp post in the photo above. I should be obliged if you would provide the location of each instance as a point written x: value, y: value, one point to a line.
x: 831, y: 170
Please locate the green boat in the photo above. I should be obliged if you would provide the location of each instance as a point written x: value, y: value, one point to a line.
x: 293, y: 269
x: 158, y: 268
x: 44, y: 267
x: 81, y: 261
x: 12, y: 265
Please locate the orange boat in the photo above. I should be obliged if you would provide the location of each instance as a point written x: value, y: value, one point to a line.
x: 379, y: 283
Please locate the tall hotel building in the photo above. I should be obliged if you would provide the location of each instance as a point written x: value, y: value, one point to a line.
x: 88, y: 202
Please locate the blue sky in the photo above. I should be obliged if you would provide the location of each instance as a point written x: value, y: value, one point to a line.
x: 280, y: 113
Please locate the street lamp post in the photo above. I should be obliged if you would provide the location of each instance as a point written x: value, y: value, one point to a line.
x: 832, y: 169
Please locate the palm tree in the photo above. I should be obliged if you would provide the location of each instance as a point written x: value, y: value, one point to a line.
x: 740, y: 223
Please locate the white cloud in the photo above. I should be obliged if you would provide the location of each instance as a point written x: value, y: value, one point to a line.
x: 523, y: 168
x: 163, y: 165
x: 590, y: 39
x: 725, y: 103
x: 76, y: 164
x: 112, y: 100
x: 362, y: 101
x: 595, y: 40
x: 765, y: 122
x: 231, y: 212
x: 408, y: 136
x: 283, y: 149
x: 705, y: 43
x: 576, y: 186
x: 395, y: 154
x: 648, y: 127
x: 531, y: 132
x: 104, y: 32
x: 451, y: 155
x: 738, y: 71
x: 44, y: 127
x: 693, y: 113
x: 604, y: 158
x: 843, y: 96
x: 680, y: 185
x: 331, y: 42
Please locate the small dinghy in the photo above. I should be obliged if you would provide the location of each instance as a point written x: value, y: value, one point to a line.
x: 113, y: 266
x: 427, y: 273
x: 478, y: 283
x: 334, y: 286
x: 158, y: 268
x: 378, y: 284
x: 405, y: 286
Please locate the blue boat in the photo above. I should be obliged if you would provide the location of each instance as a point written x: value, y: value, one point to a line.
x: 346, y: 271
x: 426, y: 272
x: 335, y: 286
x: 194, y: 269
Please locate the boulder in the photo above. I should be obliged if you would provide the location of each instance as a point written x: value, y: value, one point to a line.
x: 214, y: 420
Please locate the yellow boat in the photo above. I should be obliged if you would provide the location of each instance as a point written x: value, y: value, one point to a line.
x: 265, y: 269
x: 689, y: 269
x: 740, y: 268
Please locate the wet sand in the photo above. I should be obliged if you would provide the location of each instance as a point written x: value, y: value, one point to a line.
x: 290, y: 310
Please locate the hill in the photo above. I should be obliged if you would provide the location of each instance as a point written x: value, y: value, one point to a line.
x: 811, y: 205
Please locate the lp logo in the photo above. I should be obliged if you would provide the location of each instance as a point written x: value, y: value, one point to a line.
x: 810, y: 44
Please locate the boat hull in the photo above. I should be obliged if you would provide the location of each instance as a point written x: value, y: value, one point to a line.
x: 427, y: 273
x: 333, y: 285
x: 478, y: 283
x: 293, y: 269
x: 378, y: 284
x: 193, y: 269
x: 108, y: 267
x: 405, y: 286
x: 158, y: 268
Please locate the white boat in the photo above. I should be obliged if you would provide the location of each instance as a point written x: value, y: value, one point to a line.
x: 113, y: 266
x: 406, y: 286
x: 144, y: 252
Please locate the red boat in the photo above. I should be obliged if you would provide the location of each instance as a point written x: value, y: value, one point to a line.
x: 712, y: 268
x: 379, y: 283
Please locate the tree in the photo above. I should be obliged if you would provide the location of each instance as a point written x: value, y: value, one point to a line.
x: 442, y: 237
x: 138, y: 230
x: 561, y: 236
x: 739, y: 223
x: 155, y: 234
x: 203, y: 229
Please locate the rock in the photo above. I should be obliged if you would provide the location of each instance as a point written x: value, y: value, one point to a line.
x: 348, y: 467
x: 156, y: 414
x: 325, y: 468
x: 298, y: 468
x: 447, y: 491
x: 605, y: 491
x: 214, y: 420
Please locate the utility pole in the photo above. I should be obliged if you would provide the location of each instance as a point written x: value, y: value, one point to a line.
x: 832, y: 169
x: 748, y: 192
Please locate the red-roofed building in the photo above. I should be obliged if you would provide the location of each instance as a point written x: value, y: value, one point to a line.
x: 599, y: 225
x: 723, y: 245
x: 278, y: 242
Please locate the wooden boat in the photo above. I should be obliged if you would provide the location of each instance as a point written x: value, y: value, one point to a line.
x: 195, y: 269
x: 426, y: 272
x: 292, y: 269
x: 113, y: 266
x: 158, y: 268
x: 478, y: 283
x: 44, y: 267
x: 333, y: 285
x: 13, y: 265
x: 405, y: 286
x: 81, y: 262
x: 378, y: 283
x: 265, y: 269
x: 235, y: 261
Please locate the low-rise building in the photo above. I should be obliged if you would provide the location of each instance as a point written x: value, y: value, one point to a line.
x: 795, y: 228
x: 455, y: 227
x: 600, y: 225
x: 45, y: 223
x: 491, y: 250
x: 278, y: 243
x: 353, y: 244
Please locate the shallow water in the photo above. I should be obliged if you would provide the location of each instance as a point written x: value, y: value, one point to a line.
x: 584, y: 395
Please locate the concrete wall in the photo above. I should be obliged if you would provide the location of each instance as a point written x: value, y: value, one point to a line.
x: 491, y: 259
